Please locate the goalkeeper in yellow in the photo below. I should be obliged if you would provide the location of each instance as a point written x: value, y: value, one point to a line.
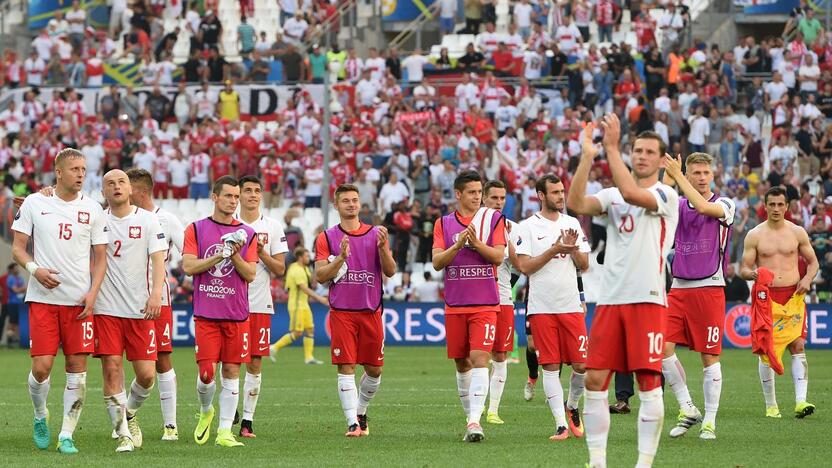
x: 300, y: 283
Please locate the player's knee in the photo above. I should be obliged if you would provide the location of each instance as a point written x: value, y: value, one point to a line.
x: 76, y: 363
x: 648, y: 380
x: 253, y: 367
x: 163, y: 363
x: 206, y: 371
x: 596, y: 382
x: 580, y: 368
x: 373, y: 371
x: 797, y: 346
x: 146, y: 378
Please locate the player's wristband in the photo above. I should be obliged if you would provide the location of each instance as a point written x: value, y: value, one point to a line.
x: 32, y: 267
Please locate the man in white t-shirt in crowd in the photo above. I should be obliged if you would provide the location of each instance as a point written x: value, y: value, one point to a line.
x: 12, y: 120
x: 94, y: 154
x: 179, y: 169
x: 143, y: 159
x: 776, y: 88
x: 533, y: 63
x: 414, y: 64
x: 671, y: 23
x: 392, y: 192
x: 294, y: 29
x: 200, y: 164
x: 551, y: 249
x: 523, y: 12
x: 428, y: 291
x: 424, y: 95
x: 568, y: 38
x: 367, y: 89
x: 35, y: 69
x: 447, y: 16
x: 314, y: 178
x: 808, y: 74
x: 700, y: 128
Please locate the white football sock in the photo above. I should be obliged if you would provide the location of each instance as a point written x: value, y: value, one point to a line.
x: 39, y: 391
x: 463, y: 384
x: 229, y: 398
x: 251, y: 392
x: 597, y: 427
x: 478, y: 391
x: 138, y: 395
x: 349, y: 398
x: 206, y: 394
x: 800, y: 376
x: 368, y: 388
x: 650, y: 420
x: 576, y: 389
x: 167, y: 397
x: 554, y: 396
x: 712, y: 387
x: 674, y: 375
x: 499, y: 372
x: 117, y: 408
x: 767, y: 381
x: 74, y: 393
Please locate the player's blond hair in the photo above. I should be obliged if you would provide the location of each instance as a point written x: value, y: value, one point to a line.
x: 699, y: 158
x: 65, y: 154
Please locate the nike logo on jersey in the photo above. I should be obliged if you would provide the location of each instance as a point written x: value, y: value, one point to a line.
x: 541, y: 238
x: 44, y: 213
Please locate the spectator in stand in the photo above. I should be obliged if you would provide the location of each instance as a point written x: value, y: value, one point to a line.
x: 447, y: 16
x: 210, y: 30
x: 473, y: 16
x: 810, y: 28
x: 77, y: 19
x: 295, y: 29
x: 246, y: 37
x: 414, y: 64
x: 14, y: 290
x: 736, y: 288
x: 607, y: 15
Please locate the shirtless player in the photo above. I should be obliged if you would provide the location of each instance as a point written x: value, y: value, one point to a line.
x: 775, y: 245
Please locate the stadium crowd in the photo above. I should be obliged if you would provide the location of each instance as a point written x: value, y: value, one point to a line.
x: 763, y: 109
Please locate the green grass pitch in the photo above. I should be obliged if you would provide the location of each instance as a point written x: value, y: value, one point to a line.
x: 416, y: 420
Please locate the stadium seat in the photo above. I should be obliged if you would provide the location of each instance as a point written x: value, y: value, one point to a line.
x: 168, y: 204
x: 187, y: 204
x: 204, y: 207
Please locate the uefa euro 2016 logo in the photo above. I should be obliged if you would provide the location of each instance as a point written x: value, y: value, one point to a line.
x: 223, y: 268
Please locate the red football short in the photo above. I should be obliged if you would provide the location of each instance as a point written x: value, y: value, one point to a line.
x: 695, y: 318
x: 160, y: 190
x: 470, y: 332
x: 222, y: 341
x: 164, y: 329
x: 560, y: 338
x: 261, y: 333
x: 52, y: 325
x: 116, y: 335
x: 357, y: 338
x: 627, y: 337
x: 504, y: 337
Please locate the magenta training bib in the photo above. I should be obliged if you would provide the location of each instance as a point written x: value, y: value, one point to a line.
x: 698, y: 252
x: 360, y: 289
x: 220, y: 293
x: 469, y: 278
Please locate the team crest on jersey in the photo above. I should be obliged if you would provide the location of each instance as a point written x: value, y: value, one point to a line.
x: 762, y: 295
x: 263, y: 237
x: 135, y: 232
x: 83, y: 217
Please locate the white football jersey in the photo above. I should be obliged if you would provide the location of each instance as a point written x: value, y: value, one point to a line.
x: 553, y: 289
x: 271, y: 234
x: 62, y: 233
x: 127, y: 284
x: 638, y: 242
x: 504, y: 270
x: 175, y: 236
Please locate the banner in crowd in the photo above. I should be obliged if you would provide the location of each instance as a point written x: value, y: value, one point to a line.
x: 409, y: 117
x: 256, y: 100
x: 418, y: 324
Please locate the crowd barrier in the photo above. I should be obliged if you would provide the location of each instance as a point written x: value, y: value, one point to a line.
x: 423, y: 324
